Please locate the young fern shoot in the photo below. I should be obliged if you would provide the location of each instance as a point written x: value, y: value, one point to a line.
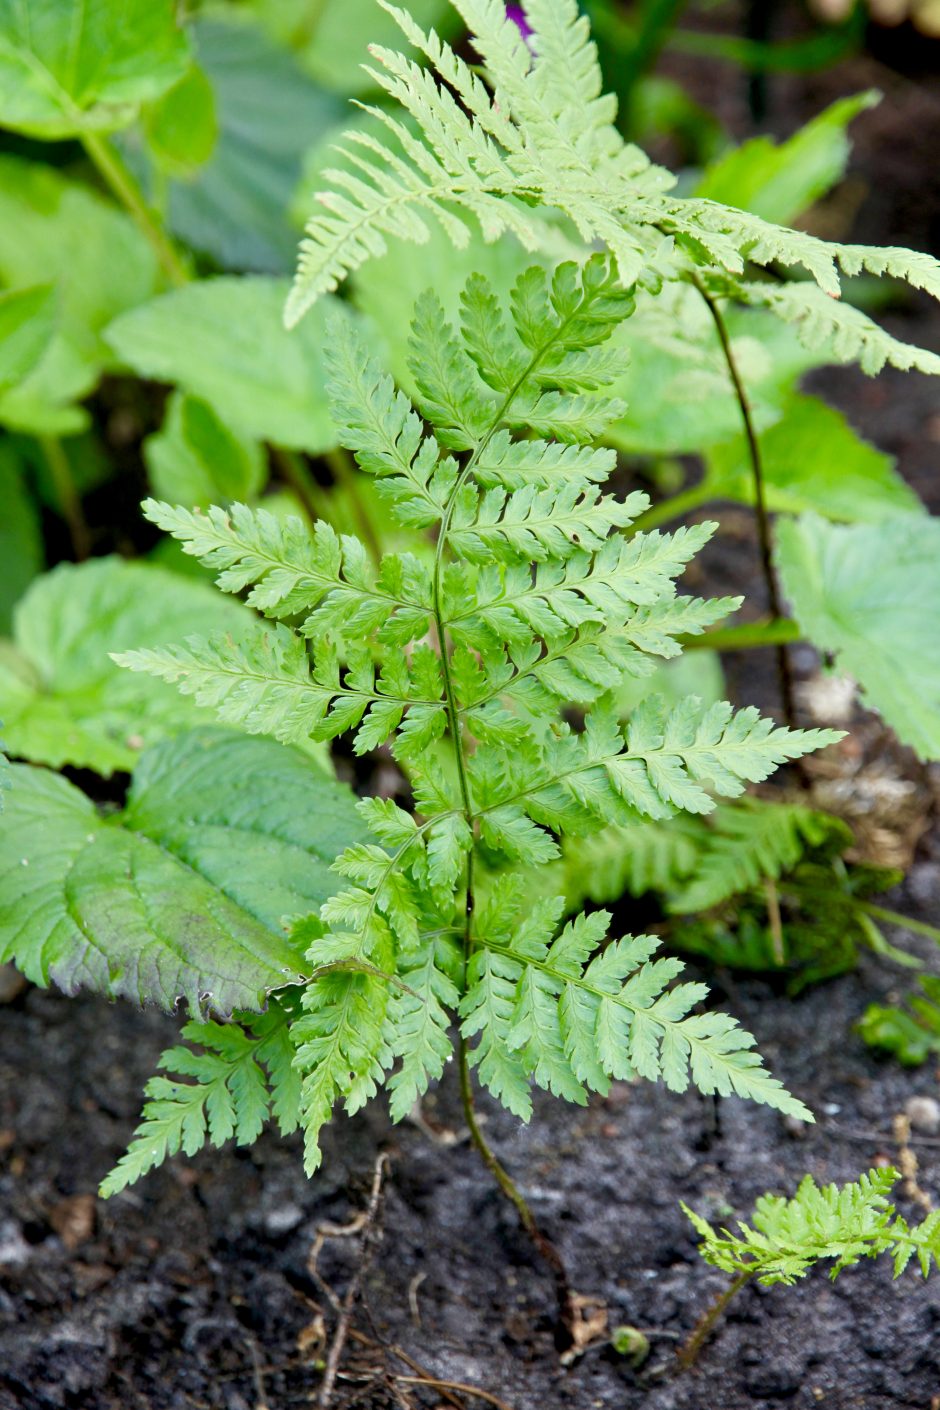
x: 535, y: 595
x: 788, y: 1237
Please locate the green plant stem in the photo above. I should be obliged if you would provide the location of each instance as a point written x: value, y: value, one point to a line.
x: 688, y: 1352
x: 746, y: 636
x: 114, y: 172
x: 341, y: 468
x: 67, y: 495
x: 919, y: 927
x: 675, y: 507
x: 760, y: 500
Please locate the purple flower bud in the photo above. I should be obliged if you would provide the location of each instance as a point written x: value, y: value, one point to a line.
x: 516, y: 14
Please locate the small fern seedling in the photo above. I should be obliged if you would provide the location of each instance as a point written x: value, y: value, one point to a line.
x: 786, y: 1238
x: 536, y: 595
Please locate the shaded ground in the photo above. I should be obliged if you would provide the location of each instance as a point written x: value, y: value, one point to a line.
x: 193, y: 1289
x: 170, y: 1295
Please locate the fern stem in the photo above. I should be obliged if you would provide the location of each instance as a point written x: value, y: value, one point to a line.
x: 510, y: 1189
x: 688, y: 1352
x: 542, y: 1243
x: 115, y: 174
x: 67, y: 495
x: 760, y: 500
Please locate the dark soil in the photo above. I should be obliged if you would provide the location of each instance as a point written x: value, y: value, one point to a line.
x: 172, y: 1294
x: 193, y: 1290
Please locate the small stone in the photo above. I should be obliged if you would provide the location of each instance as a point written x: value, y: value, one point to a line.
x: 795, y: 1128
x: 14, y: 1250
x: 282, y: 1220
x: 924, y: 1114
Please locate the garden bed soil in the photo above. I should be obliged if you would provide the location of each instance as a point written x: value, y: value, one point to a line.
x: 182, y: 1293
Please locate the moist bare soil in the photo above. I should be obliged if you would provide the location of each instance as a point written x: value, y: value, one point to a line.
x: 193, y: 1289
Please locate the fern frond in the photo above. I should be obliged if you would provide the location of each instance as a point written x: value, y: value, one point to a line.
x: 843, y: 331
x: 242, y: 1075
x: 380, y: 426
x: 838, y: 1224
x: 661, y: 763
x: 341, y: 1049
x: 747, y: 842
x: 543, y: 135
x: 534, y: 599
x: 543, y: 1004
x: 510, y: 605
x: 264, y: 684
x: 419, y: 1016
x: 534, y: 525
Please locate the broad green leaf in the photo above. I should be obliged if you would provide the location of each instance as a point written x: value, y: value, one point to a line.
x: 181, y: 126
x: 54, y: 231
x: 268, y: 112
x: 183, y: 894
x: 778, y: 181
x: 224, y: 341
x: 27, y: 322
x: 869, y: 594
x: 812, y: 459
x: 74, y: 66
x: 20, y: 534
x: 62, y: 699
x: 259, y: 819
x: 44, y: 403
x: 196, y: 460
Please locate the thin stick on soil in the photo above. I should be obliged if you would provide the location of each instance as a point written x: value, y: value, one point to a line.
x: 365, y: 1225
x: 688, y: 1353
x: 438, y: 1384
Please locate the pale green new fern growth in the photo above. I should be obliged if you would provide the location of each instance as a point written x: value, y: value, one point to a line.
x: 527, y: 147
x: 461, y: 663
x: 788, y: 1237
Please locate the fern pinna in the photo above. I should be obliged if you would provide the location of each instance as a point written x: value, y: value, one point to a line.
x: 535, y: 593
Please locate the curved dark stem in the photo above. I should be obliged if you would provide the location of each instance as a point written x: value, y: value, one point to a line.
x: 542, y: 1242
x: 784, y: 673
x: 688, y: 1352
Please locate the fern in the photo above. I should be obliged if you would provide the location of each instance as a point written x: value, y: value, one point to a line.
x: 242, y: 1074
x: 786, y: 1238
x: 750, y: 843
x: 534, y: 596
x: 537, y: 131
